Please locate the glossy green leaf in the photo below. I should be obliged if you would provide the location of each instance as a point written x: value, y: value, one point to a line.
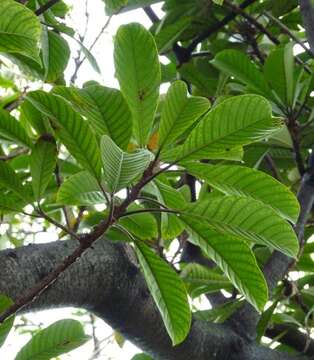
x: 244, y: 181
x: 73, y: 131
x: 168, y: 291
x: 143, y: 225
x: 179, y: 112
x: 20, y: 30
x: 6, y: 326
x: 234, y: 257
x: 249, y: 219
x: 11, y: 129
x: 138, y: 72
x: 105, y: 108
x: 58, y: 338
x: 121, y: 168
x: 80, y: 189
x: 236, y: 121
x: 238, y: 65
x: 42, y: 163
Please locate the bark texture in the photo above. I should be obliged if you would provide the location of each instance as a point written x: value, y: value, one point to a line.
x: 107, y: 281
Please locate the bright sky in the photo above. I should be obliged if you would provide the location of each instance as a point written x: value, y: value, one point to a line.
x: 103, y: 52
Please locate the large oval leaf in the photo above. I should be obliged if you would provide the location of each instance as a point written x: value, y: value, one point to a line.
x: 121, y: 168
x: 19, y: 30
x: 168, y: 291
x: 234, y: 257
x: 236, y: 121
x: 42, y: 163
x: 243, y: 181
x: 12, y: 129
x: 71, y: 128
x: 249, y: 219
x: 80, y: 189
x: 138, y: 72
x: 179, y: 112
x: 58, y: 338
x: 105, y: 108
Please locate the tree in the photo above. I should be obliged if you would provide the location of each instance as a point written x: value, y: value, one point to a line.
x: 219, y: 168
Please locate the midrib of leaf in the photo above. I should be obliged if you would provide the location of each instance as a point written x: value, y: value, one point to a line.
x: 138, y: 100
x: 217, y: 140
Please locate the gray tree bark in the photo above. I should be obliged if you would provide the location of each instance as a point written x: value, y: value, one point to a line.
x: 107, y: 281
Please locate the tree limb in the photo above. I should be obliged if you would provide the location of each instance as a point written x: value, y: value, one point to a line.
x: 106, y: 281
x: 307, y: 13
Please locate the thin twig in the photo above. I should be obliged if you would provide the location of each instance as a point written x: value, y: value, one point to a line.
x: 46, y: 7
x: 14, y: 154
x: 151, y: 14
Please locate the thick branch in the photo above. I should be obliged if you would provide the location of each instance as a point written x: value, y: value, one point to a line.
x: 106, y: 280
x: 290, y: 336
x: 307, y: 12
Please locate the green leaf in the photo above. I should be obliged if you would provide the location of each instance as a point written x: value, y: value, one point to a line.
x: 168, y: 291
x: 249, y: 219
x: 105, y: 108
x: 121, y: 168
x: 179, y: 112
x: 202, y: 275
x: 171, y: 226
x: 55, y: 54
x: 279, y: 72
x: 80, y: 189
x: 30, y: 116
x: 6, y: 326
x: 73, y: 131
x: 58, y: 338
x: 143, y: 225
x: 234, y: 257
x: 141, y: 357
x: 238, y: 65
x: 265, y: 320
x: 89, y: 56
x: 139, y: 75
x: 12, y: 129
x: 169, y: 33
x: 113, y: 6
x: 19, y: 30
x: 11, y: 180
x: 235, y: 121
x: 220, y: 313
x: 243, y: 181
x: 42, y: 163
